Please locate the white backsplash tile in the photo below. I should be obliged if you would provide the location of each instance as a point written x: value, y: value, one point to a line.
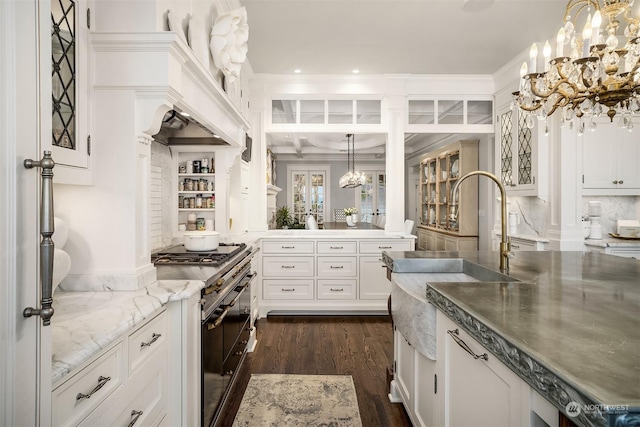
x: 160, y: 232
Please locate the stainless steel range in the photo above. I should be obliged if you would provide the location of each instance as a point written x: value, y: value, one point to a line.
x: 226, y: 312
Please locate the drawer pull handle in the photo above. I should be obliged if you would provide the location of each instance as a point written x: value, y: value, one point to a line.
x: 384, y: 247
x: 288, y: 266
x: 288, y: 290
x: 515, y: 246
x: 336, y: 247
x: 454, y: 334
x: 134, y: 417
x: 336, y: 266
x: 336, y: 290
x: 154, y: 338
x: 288, y: 247
x: 101, y: 382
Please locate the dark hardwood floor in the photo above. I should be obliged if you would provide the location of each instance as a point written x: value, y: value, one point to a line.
x: 351, y: 345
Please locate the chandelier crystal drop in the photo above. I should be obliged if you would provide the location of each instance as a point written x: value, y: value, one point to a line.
x: 352, y: 178
x: 600, y: 76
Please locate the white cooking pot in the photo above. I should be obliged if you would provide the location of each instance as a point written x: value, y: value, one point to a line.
x: 201, y: 240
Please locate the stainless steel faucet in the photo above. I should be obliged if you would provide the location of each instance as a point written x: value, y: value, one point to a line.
x: 505, y: 244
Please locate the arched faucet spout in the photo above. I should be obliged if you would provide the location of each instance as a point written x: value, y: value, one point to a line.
x: 505, y: 244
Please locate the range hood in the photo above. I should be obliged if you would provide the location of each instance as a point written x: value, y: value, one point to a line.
x: 179, y: 128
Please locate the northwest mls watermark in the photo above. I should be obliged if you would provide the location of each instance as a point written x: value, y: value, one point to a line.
x: 574, y: 409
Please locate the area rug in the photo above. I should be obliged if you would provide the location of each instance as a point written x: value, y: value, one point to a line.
x: 275, y: 400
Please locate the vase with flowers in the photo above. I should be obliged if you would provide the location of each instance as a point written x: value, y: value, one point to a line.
x: 351, y: 215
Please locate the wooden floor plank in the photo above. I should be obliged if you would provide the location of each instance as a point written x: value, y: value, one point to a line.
x: 330, y: 345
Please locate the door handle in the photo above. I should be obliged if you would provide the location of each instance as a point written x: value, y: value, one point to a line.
x: 46, y: 243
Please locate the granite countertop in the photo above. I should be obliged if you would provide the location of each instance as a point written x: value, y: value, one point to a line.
x: 572, y: 319
x: 84, y: 323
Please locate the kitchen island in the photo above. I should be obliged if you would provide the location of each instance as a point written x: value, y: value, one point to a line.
x: 566, y: 323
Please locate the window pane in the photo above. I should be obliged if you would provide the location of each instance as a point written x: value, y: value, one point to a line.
x: 311, y: 111
x: 524, y: 151
x: 450, y: 112
x: 506, y: 148
x: 479, y: 112
x: 368, y: 112
x: 421, y: 112
x: 63, y: 72
x: 341, y: 111
x: 283, y: 111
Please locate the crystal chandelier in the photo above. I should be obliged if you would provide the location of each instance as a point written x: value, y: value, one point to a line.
x: 352, y: 178
x: 600, y: 75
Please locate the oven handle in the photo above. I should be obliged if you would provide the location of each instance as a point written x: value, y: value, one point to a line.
x: 218, y: 321
x: 241, y: 288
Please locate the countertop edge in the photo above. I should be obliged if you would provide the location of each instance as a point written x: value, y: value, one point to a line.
x: 552, y: 386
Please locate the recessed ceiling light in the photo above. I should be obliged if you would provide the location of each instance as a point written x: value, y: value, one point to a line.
x: 297, y: 71
x: 355, y: 71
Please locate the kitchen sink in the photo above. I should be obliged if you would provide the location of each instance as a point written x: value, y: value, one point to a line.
x: 459, y: 270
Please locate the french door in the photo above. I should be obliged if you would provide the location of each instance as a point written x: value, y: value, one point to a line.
x: 308, y: 192
x: 371, y: 197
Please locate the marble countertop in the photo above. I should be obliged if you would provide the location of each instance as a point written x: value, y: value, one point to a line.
x: 572, y: 319
x: 612, y: 242
x: 84, y: 323
x: 335, y: 234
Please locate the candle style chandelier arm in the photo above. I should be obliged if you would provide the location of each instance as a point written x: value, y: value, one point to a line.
x: 604, y: 78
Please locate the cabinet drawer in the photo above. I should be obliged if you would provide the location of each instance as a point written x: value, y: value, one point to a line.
x: 287, y: 266
x: 345, y: 266
x: 337, y: 289
x: 287, y: 247
x: 287, y: 289
x: 143, y: 399
x: 337, y: 247
x: 144, y: 342
x: 376, y: 247
x: 98, y: 380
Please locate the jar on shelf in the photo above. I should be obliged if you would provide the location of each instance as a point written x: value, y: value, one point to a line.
x: 181, y: 186
x: 188, y: 184
x: 198, y: 201
x: 196, y: 166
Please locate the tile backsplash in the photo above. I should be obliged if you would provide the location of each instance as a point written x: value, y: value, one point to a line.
x: 160, y: 233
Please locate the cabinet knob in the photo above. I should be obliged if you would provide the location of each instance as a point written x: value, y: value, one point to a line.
x: 615, y: 182
x: 621, y: 182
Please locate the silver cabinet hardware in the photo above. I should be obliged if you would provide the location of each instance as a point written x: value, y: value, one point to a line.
x: 454, y: 334
x: 336, y: 290
x: 154, y: 338
x: 336, y: 266
x: 288, y: 266
x: 336, y: 247
x: 384, y: 247
x: 46, y: 244
x: 134, y: 417
x: 621, y: 182
x: 288, y: 247
x: 101, y: 382
x: 515, y: 246
x: 615, y: 182
x: 288, y: 290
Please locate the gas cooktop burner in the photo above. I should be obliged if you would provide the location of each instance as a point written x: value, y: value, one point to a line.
x: 179, y: 255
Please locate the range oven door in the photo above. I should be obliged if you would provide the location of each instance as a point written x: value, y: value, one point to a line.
x: 225, y: 335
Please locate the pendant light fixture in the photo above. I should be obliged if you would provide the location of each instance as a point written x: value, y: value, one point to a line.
x: 352, y: 178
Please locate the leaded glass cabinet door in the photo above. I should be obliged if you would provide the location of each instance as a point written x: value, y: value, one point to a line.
x: 69, y: 89
x: 371, y: 196
x: 517, y: 149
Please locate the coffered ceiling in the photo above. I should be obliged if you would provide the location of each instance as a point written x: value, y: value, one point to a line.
x: 320, y: 37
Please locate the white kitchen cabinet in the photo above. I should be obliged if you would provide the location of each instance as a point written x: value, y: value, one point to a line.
x: 521, y: 154
x: 476, y: 392
x: 316, y: 274
x: 627, y: 252
x: 421, y: 245
x: 405, y: 369
x: 131, y: 375
x: 68, y: 79
x: 521, y: 244
x: 611, y: 156
x: 415, y: 379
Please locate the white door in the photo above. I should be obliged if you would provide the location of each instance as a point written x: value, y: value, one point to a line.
x: 371, y: 197
x: 25, y: 382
